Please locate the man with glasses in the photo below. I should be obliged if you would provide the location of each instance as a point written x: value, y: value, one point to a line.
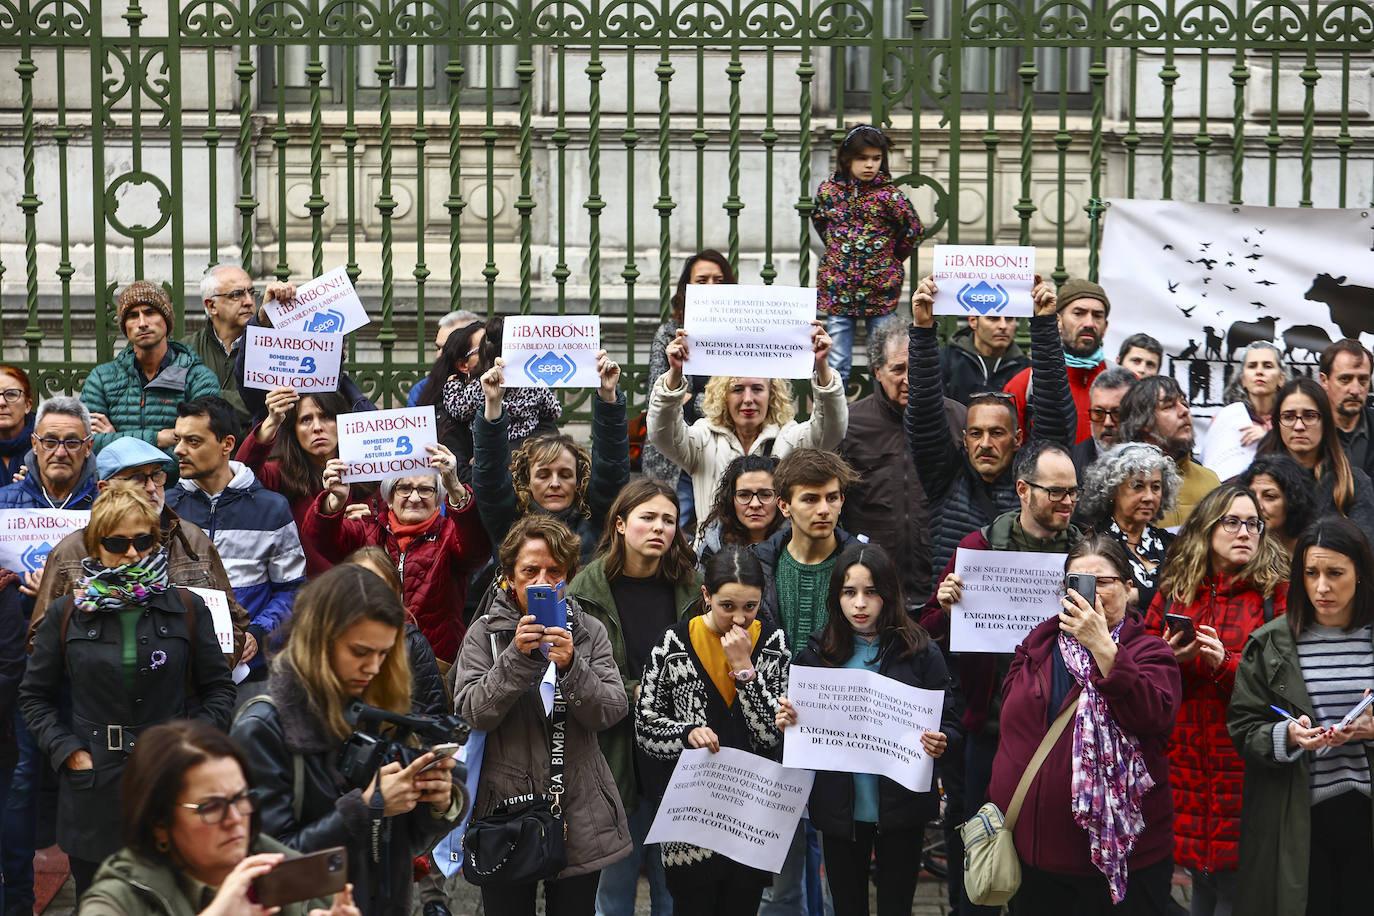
x: 136, y: 394
x: 887, y: 503
x: 252, y: 526
x: 59, y: 472
x: 1155, y: 410
x: 230, y: 300
x: 1104, y: 415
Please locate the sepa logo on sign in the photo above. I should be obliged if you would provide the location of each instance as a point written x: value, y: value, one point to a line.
x: 982, y: 297
x: 325, y: 322
x: 35, y: 556
x: 550, y: 368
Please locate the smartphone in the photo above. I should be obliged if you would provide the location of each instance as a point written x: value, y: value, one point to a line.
x: 441, y: 752
x: 547, y: 604
x: 1182, y: 624
x: 316, y: 874
x: 1086, y: 585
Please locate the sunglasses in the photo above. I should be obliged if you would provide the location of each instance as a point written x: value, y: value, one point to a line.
x: 118, y: 543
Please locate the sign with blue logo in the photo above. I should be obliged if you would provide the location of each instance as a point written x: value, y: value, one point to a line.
x: 750, y: 331
x: 553, y: 350
x: 382, y: 444
x: 327, y: 304
x: 27, y: 536
x: 287, y: 359
x: 978, y: 280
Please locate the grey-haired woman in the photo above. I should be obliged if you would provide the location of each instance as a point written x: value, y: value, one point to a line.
x: 1125, y: 493
x: 1235, y: 432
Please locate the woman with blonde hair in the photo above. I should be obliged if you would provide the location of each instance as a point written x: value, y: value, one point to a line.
x: 1227, y: 576
x: 742, y: 416
x: 125, y: 648
x: 347, y: 645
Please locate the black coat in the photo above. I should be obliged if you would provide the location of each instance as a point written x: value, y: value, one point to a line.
x: 899, y: 808
x: 427, y: 694
x: 331, y: 814
x: 105, y: 719
x: 14, y: 626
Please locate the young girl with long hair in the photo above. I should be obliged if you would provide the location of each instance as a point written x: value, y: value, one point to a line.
x: 714, y: 681
x: 868, y: 228
x: 861, y: 814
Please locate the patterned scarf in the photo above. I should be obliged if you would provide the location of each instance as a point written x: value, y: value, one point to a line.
x: 1109, y: 774
x: 1083, y: 362
x: 105, y: 588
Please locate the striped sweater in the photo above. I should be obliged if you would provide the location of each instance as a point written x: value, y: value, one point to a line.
x: 1337, y: 667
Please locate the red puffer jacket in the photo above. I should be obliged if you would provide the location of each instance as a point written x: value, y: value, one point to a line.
x: 1204, y: 769
x: 435, y: 566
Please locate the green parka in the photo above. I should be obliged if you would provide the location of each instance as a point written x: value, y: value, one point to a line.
x: 593, y: 592
x: 1276, y: 807
x: 142, y: 409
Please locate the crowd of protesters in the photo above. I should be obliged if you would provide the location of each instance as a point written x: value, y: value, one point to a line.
x: 1208, y: 678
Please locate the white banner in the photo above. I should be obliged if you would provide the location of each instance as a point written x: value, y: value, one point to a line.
x: 382, y: 444
x: 218, y: 603
x: 27, y: 536
x: 1209, y: 279
x: 287, y: 359
x: 327, y: 304
x: 984, y: 280
x: 859, y: 721
x: 738, y: 804
x: 552, y: 350
x: 1007, y: 593
x: 749, y: 331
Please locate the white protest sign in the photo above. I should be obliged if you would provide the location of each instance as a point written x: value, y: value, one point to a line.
x: 1222, y: 450
x: 557, y: 351
x: 750, y: 331
x: 1007, y: 593
x: 291, y: 359
x: 325, y: 305
x: 27, y: 536
x: 382, y: 444
x: 984, y: 280
x: 218, y: 603
x: 861, y: 722
x: 743, y: 806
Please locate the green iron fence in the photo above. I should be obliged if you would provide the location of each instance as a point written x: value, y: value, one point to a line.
x: 512, y: 155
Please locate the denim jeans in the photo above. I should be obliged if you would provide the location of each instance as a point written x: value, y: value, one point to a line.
x: 21, y: 821
x: 787, y: 894
x: 841, y: 331
x: 615, y: 895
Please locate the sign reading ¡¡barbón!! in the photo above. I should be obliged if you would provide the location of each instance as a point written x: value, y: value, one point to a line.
x: 984, y: 280
x: 382, y: 444
x: 551, y: 350
x: 327, y: 304
x: 27, y: 536
x: 286, y: 359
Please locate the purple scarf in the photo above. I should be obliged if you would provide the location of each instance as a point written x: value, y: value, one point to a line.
x: 1109, y: 774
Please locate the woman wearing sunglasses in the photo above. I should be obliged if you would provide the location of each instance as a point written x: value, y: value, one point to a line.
x: 131, y: 651
x: 1227, y: 575
x: 191, y: 834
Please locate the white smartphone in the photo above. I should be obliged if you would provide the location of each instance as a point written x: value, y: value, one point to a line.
x: 441, y: 752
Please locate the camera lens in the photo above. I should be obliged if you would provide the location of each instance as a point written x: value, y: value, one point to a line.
x: 336, y: 861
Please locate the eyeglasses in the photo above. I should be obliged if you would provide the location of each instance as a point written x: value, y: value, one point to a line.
x: 1103, y: 580
x: 158, y: 477
x: 404, y: 490
x: 745, y: 497
x: 1057, y: 494
x: 118, y: 543
x: 1231, y: 524
x: 1098, y: 414
x: 213, y: 810
x: 237, y: 293
x: 12, y: 394
x: 1290, y: 418
x: 71, y: 445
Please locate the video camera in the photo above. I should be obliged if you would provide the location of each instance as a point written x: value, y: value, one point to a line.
x: 367, y: 750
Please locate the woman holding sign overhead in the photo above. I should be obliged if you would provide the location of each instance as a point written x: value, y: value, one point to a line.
x: 742, y: 416
x: 1095, y: 832
x: 861, y: 815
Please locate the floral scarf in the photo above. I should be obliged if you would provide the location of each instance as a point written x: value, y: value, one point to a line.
x: 1109, y: 774
x: 105, y: 588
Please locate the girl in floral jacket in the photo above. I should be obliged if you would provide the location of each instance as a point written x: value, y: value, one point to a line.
x: 868, y: 228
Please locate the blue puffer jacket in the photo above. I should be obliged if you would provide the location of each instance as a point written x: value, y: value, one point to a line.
x: 143, y: 409
x: 28, y: 493
x: 256, y: 537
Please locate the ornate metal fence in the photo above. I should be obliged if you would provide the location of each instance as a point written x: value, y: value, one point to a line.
x: 562, y: 155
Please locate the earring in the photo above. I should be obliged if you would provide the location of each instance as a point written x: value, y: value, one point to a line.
x: 163, y: 846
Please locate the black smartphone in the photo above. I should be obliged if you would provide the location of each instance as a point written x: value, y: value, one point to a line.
x: 1085, y: 584
x: 1180, y: 623
x: 316, y: 874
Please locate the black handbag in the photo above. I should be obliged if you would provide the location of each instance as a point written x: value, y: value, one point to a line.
x: 522, y: 841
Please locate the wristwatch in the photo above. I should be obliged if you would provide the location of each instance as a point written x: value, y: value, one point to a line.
x: 744, y: 676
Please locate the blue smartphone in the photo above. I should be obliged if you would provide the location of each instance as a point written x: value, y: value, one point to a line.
x: 547, y: 604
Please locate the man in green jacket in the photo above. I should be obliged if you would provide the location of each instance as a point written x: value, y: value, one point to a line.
x: 136, y: 393
x: 230, y: 301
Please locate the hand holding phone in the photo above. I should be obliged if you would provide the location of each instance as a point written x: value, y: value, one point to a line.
x: 317, y: 874
x: 1179, y: 623
x: 1086, y: 585
x: 441, y: 753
